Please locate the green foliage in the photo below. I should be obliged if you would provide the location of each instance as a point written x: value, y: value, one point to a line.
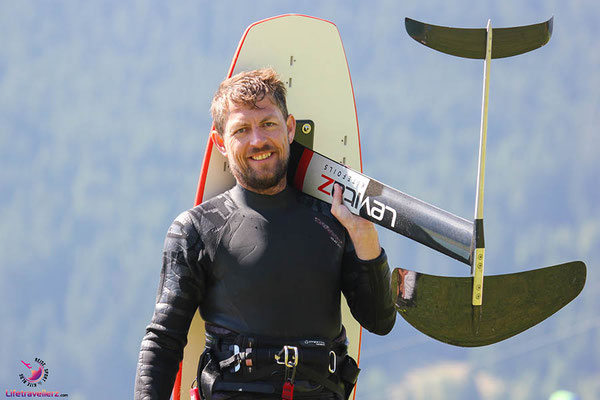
x: 103, y: 123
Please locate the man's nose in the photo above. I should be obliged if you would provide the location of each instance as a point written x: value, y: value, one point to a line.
x: 257, y: 136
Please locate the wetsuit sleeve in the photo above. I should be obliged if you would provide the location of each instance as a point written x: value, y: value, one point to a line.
x: 180, y: 291
x: 367, y: 288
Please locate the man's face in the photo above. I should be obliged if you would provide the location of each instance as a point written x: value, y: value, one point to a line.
x: 256, y: 142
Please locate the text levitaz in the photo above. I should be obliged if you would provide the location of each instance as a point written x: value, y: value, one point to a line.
x: 357, y: 200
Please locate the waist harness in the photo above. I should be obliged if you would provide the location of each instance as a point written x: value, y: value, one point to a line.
x: 303, y: 369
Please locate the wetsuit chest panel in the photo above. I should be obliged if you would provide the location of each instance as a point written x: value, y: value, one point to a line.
x: 277, y: 270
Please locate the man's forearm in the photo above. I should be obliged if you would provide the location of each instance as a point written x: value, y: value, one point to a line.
x: 156, y: 371
x: 367, y: 287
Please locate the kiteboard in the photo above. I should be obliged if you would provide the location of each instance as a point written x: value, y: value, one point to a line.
x: 309, y: 57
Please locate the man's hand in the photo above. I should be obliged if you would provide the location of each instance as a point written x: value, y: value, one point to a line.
x: 362, y: 232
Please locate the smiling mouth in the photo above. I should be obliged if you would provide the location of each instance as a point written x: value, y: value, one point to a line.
x: 261, y: 157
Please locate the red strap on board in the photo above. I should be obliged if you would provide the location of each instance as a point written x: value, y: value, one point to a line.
x: 177, y: 384
x: 302, y: 167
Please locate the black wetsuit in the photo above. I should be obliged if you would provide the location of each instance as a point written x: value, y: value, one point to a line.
x: 264, y: 265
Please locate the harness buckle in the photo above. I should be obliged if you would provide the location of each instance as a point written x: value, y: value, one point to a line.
x: 332, y: 362
x: 236, y: 352
x: 286, y: 356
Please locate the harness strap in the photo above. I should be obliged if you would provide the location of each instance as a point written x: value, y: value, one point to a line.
x: 341, y: 383
x: 238, y: 363
x: 314, y: 376
x: 256, y: 387
x: 208, y: 376
x: 234, y: 360
x: 254, y: 357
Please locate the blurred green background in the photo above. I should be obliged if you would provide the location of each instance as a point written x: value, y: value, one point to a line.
x: 103, y: 123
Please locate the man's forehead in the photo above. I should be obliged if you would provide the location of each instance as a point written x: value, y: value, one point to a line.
x: 264, y: 108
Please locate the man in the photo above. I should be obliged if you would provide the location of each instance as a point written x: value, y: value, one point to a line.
x: 266, y: 266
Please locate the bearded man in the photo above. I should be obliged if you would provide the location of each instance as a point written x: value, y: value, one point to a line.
x: 266, y: 266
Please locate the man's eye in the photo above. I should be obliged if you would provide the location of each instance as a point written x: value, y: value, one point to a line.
x: 237, y: 131
x: 269, y: 123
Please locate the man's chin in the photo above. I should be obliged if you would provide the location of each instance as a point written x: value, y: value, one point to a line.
x: 262, y: 183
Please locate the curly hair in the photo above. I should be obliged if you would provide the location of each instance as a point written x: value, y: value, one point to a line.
x: 247, y: 88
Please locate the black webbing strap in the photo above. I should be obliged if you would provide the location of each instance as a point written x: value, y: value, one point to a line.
x: 314, y: 376
x: 235, y: 363
x: 320, y: 357
x: 255, y: 387
x: 235, y: 359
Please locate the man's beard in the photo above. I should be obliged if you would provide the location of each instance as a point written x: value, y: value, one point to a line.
x: 251, y: 179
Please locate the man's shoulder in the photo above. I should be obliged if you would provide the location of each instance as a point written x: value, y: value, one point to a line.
x: 194, y: 224
x: 214, y: 211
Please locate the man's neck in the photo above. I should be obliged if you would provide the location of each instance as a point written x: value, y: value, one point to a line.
x: 273, y: 190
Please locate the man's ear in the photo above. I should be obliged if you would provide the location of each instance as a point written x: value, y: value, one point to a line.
x: 218, y: 141
x: 291, y: 127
